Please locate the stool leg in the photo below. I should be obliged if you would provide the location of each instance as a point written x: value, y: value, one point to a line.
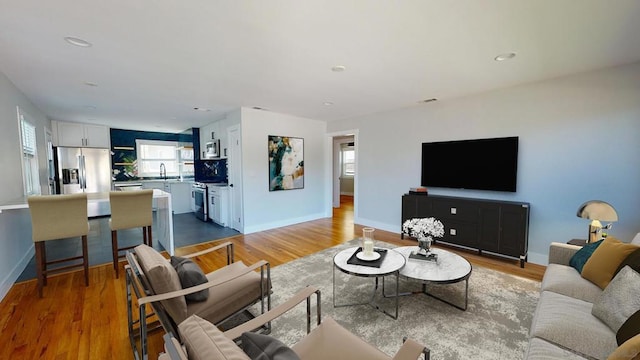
x: 150, y: 241
x: 39, y: 263
x: 114, y: 250
x: 144, y: 235
x: 43, y: 251
x: 85, y: 260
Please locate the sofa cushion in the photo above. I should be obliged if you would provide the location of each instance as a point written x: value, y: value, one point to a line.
x: 163, y: 278
x: 566, y: 280
x: 265, y: 347
x: 190, y: 275
x: 629, y: 329
x: 204, y: 341
x: 581, y: 256
x: 231, y: 296
x: 630, y: 350
x: 568, y: 322
x: 543, y: 350
x: 619, y: 300
x: 633, y: 260
x: 601, y: 266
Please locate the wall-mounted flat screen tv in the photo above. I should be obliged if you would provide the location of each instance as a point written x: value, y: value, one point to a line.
x: 479, y: 164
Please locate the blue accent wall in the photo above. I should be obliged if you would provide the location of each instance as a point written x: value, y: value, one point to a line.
x: 127, y: 139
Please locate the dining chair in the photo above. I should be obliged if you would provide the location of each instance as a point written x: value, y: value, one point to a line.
x: 56, y: 217
x: 129, y: 210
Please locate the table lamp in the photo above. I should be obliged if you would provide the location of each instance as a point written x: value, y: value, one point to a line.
x: 596, y: 211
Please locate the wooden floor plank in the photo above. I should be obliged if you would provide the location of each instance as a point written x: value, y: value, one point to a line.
x: 72, y: 321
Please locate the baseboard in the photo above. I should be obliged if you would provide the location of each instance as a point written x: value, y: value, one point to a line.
x: 377, y: 225
x: 287, y: 222
x: 346, y: 193
x: 537, y: 258
x: 14, y: 274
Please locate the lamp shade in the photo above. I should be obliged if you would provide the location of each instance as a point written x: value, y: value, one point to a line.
x: 597, y: 210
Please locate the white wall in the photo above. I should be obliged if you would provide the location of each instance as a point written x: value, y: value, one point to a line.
x: 264, y: 209
x: 579, y: 140
x: 16, y: 246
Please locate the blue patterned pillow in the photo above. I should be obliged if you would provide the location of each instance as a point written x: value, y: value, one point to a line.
x: 581, y: 256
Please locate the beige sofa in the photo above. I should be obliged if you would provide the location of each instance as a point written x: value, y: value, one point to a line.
x: 563, y: 326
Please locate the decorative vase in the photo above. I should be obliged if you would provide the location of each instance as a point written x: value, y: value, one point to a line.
x: 424, y: 243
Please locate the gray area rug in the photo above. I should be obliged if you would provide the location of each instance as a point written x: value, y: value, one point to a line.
x: 495, y: 325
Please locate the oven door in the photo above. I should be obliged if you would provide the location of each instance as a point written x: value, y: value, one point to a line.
x: 199, y: 202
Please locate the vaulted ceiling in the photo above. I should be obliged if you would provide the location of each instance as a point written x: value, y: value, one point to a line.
x: 151, y: 63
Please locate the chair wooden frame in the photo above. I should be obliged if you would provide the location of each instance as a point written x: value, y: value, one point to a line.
x: 138, y: 284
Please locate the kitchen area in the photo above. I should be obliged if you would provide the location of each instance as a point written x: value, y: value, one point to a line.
x: 190, y: 167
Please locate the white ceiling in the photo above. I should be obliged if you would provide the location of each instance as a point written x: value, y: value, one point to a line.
x: 154, y: 61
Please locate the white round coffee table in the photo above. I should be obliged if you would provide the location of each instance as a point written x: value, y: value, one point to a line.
x: 392, y: 263
x: 450, y: 268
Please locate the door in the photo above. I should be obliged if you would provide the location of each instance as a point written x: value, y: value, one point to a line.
x: 234, y: 165
x: 97, y: 170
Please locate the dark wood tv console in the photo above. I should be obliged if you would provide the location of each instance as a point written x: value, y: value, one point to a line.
x: 500, y: 227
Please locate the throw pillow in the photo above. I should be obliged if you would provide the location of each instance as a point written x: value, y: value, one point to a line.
x: 581, y: 256
x: 600, y: 267
x: 265, y: 347
x: 630, y: 350
x: 629, y: 329
x: 190, y: 275
x: 632, y: 260
x: 619, y: 300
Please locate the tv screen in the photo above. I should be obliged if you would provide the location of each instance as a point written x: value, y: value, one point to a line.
x: 480, y: 164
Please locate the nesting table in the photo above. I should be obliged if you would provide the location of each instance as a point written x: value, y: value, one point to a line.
x: 391, y: 265
x: 449, y: 269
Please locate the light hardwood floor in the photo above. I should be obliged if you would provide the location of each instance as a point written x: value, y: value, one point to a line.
x: 72, y: 321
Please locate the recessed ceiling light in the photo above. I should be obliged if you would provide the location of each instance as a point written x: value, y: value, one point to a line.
x: 505, y: 56
x: 89, y: 107
x: 77, y: 41
x: 328, y: 103
x: 89, y: 83
x: 428, y: 100
x: 338, y: 68
x: 201, y: 109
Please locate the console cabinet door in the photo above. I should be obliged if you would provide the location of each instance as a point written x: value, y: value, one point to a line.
x: 489, y: 232
x: 514, y: 224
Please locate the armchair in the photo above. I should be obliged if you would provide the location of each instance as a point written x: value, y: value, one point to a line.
x: 328, y: 340
x: 156, y: 284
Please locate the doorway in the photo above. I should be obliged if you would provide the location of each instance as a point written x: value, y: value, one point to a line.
x: 343, y: 170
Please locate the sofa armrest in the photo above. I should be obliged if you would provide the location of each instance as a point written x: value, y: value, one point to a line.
x: 560, y: 253
x: 411, y: 350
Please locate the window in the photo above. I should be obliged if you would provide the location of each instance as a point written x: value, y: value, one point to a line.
x: 29, y: 156
x: 348, y: 158
x: 152, y: 153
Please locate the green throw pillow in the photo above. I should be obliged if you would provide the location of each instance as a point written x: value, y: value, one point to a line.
x: 581, y: 256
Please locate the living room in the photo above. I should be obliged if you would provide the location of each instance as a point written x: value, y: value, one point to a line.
x: 577, y: 142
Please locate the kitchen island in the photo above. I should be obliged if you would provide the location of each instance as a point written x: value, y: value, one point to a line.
x: 16, y: 245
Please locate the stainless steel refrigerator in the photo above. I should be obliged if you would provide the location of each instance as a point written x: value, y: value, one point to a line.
x: 83, y: 170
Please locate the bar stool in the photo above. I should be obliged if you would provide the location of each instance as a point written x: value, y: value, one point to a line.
x: 129, y: 209
x: 55, y: 217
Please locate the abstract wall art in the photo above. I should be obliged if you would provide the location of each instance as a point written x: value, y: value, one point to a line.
x: 286, y: 163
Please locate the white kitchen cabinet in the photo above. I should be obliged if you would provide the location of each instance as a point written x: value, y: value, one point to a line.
x: 219, y: 204
x: 180, y: 193
x: 219, y: 132
x: 181, y: 197
x: 81, y: 135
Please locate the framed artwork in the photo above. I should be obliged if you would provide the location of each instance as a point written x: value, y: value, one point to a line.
x: 286, y: 163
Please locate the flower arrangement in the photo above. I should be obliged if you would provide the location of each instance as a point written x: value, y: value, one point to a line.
x: 424, y: 228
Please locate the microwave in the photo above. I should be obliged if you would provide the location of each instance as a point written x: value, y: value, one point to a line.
x: 211, y: 149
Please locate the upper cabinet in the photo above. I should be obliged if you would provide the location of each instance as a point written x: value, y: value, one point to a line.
x: 80, y: 135
x: 213, y: 136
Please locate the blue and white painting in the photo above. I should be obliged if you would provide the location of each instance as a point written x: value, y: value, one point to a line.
x: 286, y: 163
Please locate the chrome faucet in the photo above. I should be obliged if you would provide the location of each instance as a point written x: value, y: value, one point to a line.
x: 163, y: 171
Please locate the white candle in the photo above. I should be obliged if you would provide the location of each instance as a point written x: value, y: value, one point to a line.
x: 368, y: 247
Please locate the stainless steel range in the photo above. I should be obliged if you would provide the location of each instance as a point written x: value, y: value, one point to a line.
x: 199, y: 201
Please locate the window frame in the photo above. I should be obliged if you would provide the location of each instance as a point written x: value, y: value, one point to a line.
x: 171, y: 163
x: 29, y: 155
x: 343, y: 165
